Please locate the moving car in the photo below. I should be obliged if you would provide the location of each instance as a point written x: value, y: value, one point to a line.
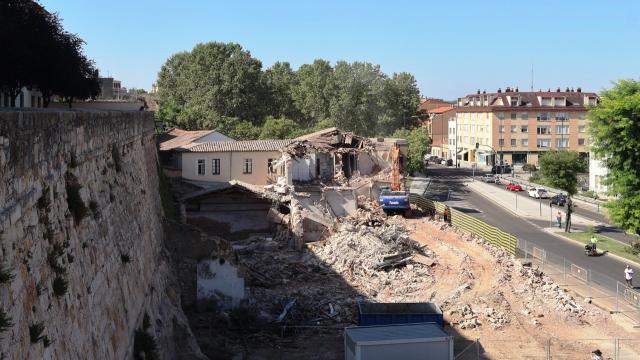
x: 488, y: 178
x: 559, y: 199
x: 538, y: 193
x: 514, y: 187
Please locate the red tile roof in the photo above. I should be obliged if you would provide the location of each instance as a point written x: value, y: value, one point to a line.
x: 441, y: 109
x: 177, y: 138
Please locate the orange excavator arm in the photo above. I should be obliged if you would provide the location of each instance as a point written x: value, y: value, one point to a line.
x: 395, y: 168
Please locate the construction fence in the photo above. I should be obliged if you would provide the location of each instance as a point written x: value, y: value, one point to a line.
x: 606, y: 292
x: 552, y: 348
x: 468, y: 223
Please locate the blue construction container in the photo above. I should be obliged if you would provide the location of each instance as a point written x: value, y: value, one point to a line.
x: 398, y: 313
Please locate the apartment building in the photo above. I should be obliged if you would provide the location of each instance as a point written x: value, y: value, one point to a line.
x: 517, y: 127
x: 440, y: 133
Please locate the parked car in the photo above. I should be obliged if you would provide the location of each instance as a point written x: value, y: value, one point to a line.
x: 489, y: 178
x: 501, y: 169
x: 538, y: 193
x: 559, y: 199
x: 497, y: 180
x: 514, y: 187
x: 449, y: 162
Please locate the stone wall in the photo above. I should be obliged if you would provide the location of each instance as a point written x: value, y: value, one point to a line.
x: 80, y: 206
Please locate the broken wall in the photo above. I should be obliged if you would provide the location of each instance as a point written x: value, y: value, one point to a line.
x: 303, y: 169
x: 342, y: 201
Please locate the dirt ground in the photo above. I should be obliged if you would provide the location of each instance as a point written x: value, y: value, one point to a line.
x: 515, y: 311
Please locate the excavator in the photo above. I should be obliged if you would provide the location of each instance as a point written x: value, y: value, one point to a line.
x: 395, y: 198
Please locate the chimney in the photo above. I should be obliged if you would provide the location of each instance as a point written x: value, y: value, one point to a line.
x: 567, y: 89
x: 579, y: 89
x: 558, y: 90
x: 508, y: 89
x: 549, y: 90
x: 499, y: 90
x: 478, y: 92
x: 571, y: 89
x: 484, y: 91
x: 516, y: 89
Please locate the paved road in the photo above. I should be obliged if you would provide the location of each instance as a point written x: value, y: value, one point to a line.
x: 449, y: 183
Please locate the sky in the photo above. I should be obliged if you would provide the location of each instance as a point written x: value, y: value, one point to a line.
x: 452, y: 48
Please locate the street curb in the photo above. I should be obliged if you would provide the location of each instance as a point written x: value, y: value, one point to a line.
x: 617, y: 257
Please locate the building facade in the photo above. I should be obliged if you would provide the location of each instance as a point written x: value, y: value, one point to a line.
x: 439, y: 132
x: 517, y: 127
x: 27, y: 98
x: 597, y: 175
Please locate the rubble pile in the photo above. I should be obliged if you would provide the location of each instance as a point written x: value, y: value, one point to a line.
x: 537, y: 284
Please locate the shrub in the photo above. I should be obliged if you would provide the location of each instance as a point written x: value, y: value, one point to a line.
x: 60, y: 286
x: 125, y: 258
x: 529, y: 167
x: 634, y: 249
x: 144, y: 345
x: 74, y: 201
x: 46, y: 341
x: 588, y: 193
x: 5, y: 321
x: 43, y: 201
x: 73, y: 163
x: 52, y: 259
x: 35, y: 332
x: 117, y: 160
x: 6, y: 277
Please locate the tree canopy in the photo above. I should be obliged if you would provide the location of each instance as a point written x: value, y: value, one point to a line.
x: 615, y: 134
x: 560, y: 170
x: 419, y: 144
x: 43, y: 55
x: 214, y: 82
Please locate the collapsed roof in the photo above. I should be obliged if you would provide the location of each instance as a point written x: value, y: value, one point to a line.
x: 329, y: 140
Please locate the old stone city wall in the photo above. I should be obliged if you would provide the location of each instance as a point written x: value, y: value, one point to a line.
x: 81, y: 239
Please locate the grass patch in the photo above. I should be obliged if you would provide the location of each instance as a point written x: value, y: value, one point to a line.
x: 6, y: 275
x: 604, y: 244
x: 74, y: 200
x: 60, y: 286
x: 144, y: 344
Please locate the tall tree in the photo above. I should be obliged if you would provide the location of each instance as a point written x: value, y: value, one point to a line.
x: 419, y: 144
x: 311, y: 94
x: 615, y: 138
x: 560, y: 170
x: 280, y: 81
x: 213, y: 80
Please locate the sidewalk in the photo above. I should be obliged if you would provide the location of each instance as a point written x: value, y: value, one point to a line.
x: 522, y: 205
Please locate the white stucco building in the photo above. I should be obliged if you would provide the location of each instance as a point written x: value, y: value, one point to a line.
x: 25, y: 99
x: 597, y: 173
x: 451, y: 138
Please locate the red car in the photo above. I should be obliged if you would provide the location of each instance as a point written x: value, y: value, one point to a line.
x: 514, y: 187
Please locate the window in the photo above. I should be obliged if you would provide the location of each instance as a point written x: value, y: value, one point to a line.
x: 543, y: 116
x: 514, y: 101
x: 592, y: 101
x: 562, y: 129
x: 559, y: 102
x: 500, y: 142
x: 562, y: 116
x: 562, y: 143
x: 201, y: 167
x: 524, y: 128
x: 501, y: 128
x: 21, y: 100
x: 580, y: 142
x: 545, y: 102
x: 524, y: 116
x: 514, y: 116
x: 581, y: 116
x: 524, y: 142
x: 544, y: 143
x: 247, y: 167
x: 473, y: 140
x: 513, y: 142
x: 501, y: 115
x: 33, y: 101
x: 514, y: 128
x: 543, y: 130
x: 215, y: 167
x: 581, y: 128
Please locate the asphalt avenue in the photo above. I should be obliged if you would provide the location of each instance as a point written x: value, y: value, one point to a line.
x: 446, y: 184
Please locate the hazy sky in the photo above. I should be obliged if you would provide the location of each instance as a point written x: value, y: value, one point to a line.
x: 452, y: 47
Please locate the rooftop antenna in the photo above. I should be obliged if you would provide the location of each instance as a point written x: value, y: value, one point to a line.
x: 531, y: 77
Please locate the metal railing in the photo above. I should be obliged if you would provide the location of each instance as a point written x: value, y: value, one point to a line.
x: 607, y: 292
x: 551, y: 348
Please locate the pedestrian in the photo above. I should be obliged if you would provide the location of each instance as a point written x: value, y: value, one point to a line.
x: 594, y: 241
x: 559, y: 218
x: 628, y: 276
x: 447, y: 215
x: 596, y: 354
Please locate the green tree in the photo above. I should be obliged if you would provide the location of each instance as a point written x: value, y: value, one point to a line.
x: 560, y: 170
x: 279, y: 128
x: 401, y: 98
x: 280, y: 81
x: 419, y: 144
x: 213, y: 80
x: 615, y: 137
x: 311, y: 93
